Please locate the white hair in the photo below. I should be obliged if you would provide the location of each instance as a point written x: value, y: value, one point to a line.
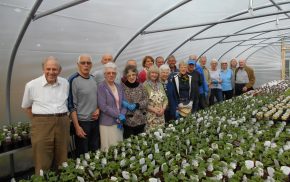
x: 213, y: 61
x: 84, y: 55
x: 164, y: 67
x: 110, y: 65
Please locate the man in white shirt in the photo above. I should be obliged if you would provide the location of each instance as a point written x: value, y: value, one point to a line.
x: 45, y: 101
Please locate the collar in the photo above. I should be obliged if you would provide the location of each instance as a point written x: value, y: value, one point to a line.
x: 131, y: 85
x: 44, y: 81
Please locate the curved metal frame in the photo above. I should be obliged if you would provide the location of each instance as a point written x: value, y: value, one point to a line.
x: 31, y: 16
x: 258, y: 50
x: 258, y: 44
x: 229, y: 17
x: 148, y: 25
x: 241, y: 41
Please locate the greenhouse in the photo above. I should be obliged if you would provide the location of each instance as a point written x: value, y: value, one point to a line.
x: 212, y: 123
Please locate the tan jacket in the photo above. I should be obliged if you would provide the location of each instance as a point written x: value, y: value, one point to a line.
x: 251, y: 76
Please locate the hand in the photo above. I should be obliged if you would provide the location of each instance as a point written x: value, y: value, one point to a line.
x: 80, y: 132
x: 132, y: 107
x: 125, y: 104
x: 96, y: 114
x: 206, y: 94
x: 122, y: 118
x: 160, y: 112
x: 245, y: 89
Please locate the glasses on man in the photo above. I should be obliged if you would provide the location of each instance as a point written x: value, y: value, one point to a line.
x: 85, y: 62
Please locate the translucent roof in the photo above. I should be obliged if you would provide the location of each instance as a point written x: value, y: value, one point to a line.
x: 221, y: 29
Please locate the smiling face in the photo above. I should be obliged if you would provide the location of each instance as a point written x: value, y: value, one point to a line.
x: 159, y: 61
x: 153, y: 76
x: 84, y: 65
x: 183, y: 69
x: 164, y: 75
x: 131, y: 76
x: 51, y: 70
x: 110, y: 75
x: 106, y: 58
x: 148, y: 63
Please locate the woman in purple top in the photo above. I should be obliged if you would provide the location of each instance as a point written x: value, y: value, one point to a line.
x: 112, y: 115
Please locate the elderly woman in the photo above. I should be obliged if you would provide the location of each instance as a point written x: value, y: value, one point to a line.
x: 147, y: 62
x: 157, y: 99
x: 233, y: 64
x: 164, y: 74
x: 228, y: 80
x: 136, y: 103
x: 185, y: 92
x: 215, y: 83
x: 112, y: 113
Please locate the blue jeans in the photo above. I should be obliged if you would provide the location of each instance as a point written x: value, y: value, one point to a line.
x: 92, y: 140
x: 215, y: 93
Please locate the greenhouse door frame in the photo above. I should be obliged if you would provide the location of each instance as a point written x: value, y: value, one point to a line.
x: 284, y: 48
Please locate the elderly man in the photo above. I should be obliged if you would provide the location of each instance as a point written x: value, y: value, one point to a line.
x: 45, y: 101
x: 82, y: 104
x: 159, y: 61
x: 99, y: 75
x: 171, y: 61
x: 244, y: 78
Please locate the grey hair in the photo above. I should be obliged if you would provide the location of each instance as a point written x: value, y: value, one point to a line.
x: 110, y: 65
x: 50, y: 58
x: 213, y: 61
x: 84, y: 55
x: 182, y: 62
x: 164, y: 67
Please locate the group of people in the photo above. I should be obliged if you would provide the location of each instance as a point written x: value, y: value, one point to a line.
x: 107, y: 106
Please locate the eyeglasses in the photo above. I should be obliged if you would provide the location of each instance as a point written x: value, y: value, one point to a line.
x: 85, y: 62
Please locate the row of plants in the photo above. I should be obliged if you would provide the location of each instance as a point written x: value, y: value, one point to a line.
x: 221, y: 143
x: 14, y: 136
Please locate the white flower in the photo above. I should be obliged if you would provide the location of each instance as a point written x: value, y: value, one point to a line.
x: 273, y: 145
x: 230, y: 173
x: 143, y: 134
x: 210, y: 167
x: 214, y: 146
x: 267, y: 144
x: 85, y: 163
x: 249, y: 164
x: 270, y: 171
x: 259, y: 164
x: 92, y: 166
x: 194, y: 163
x: 233, y: 165
x: 104, y: 162
x: 144, y: 168
x: 80, y: 179
x: 40, y: 172
x: 150, y: 156
x: 64, y: 164
x: 126, y: 175
x: 142, y: 161
x: 78, y: 161
x: 113, y: 178
x: 259, y: 172
x: 239, y: 151
x: 153, y: 180
x: 87, y: 156
x: 123, y: 163
x: 285, y: 170
x: 170, y: 125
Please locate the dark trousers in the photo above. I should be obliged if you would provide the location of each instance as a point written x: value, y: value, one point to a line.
x: 128, y: 130
x: 92, y: 140
x: 217, y: 94
x: 201, y: 101
x: 239, y: 88
x: 227, y: 94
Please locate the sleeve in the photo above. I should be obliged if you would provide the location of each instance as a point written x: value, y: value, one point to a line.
x: 123, y: 109
x: 165, y: 100
x: 27, y: 99
x: 172, y: 98
x: 252, y: 78
x: 233, y: 79
x: 204, y: 83
x: 142, y: 76
x: 72, y: 97
x: 103, y: 105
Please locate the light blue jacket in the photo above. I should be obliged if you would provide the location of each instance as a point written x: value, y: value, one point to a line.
x: 227, y: 77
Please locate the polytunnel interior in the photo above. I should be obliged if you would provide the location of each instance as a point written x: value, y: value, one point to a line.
x: 128, y: 29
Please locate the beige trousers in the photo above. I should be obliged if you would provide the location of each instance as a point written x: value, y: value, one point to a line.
x: 50, y: 139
